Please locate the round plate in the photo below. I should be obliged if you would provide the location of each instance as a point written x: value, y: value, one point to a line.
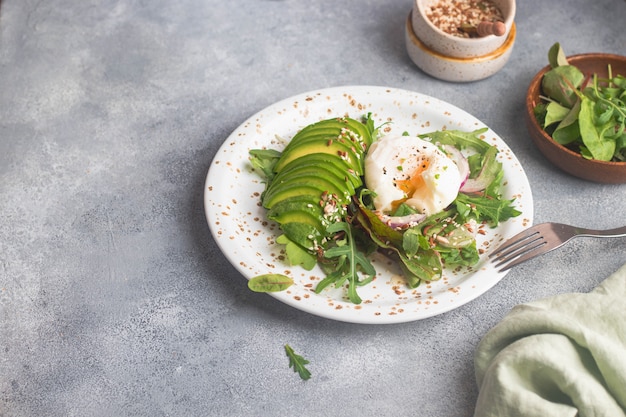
x: 245, y: 236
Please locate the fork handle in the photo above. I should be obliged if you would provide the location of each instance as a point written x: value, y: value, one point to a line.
x: 617, y: 232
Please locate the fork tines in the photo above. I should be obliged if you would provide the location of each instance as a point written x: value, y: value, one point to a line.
x: 518, y: 249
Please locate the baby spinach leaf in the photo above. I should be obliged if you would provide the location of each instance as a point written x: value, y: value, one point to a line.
x: 556, y: 56
x: 567, y: 130
x: 596, y: 124
x: 296, y: 254
x: 561, y: 84
x: 593, y: 134
x: 270, y: 283
x: 554, y: 113
x: 423, y: 266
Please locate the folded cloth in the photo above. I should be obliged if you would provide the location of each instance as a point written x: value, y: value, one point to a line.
x: 560, y: 356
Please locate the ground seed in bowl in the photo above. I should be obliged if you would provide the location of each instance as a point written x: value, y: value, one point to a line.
x: 461, y: 17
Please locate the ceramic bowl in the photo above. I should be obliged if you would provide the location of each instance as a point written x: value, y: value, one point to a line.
x: 456, y: 69
x: 564, y: 158
x: 454, y: 46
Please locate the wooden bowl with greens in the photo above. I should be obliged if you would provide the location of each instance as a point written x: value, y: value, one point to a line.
x: 576, y: 114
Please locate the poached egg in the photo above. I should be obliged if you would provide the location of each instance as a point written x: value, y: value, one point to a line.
x: 410, y: 170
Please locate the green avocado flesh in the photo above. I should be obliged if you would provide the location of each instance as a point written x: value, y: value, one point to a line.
x: 323, y: 160
x: 333, y: 128
x: 345, y: 151
x: 314, y: 186
x: 332, y: 164
x: 315, y: 172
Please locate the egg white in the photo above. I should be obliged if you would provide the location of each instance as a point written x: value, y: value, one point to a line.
x: 410, y: 170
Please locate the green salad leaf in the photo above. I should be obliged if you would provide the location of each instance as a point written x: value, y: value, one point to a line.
x: 350, y: 262
x: 270, y: 283
x: 298, y: 363
x: 264, y: 160
x: 585, y: 112
x: 296, y: 254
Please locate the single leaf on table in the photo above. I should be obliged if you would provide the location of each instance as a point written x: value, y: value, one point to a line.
x: 298, y: 363
x: 270, y: 283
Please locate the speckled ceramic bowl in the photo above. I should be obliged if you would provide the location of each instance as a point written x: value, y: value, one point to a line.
x: 456, y: 69
x: 439, y: 41
x: 566, y: 159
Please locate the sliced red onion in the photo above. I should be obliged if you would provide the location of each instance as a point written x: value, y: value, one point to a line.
x: 476, y: 184
x: 461, y: 162
x: 473, y: 185
x: 400, y: 222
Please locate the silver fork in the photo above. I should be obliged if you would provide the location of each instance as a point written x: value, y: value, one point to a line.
x: 541, y: 239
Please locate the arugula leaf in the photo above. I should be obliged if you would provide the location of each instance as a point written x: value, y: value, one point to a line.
x: 460, y: 139
x: 298, y: 363
x: 270, y: 283
x: 350, y: 261
x: 490, y: 210
x: 466, y: 256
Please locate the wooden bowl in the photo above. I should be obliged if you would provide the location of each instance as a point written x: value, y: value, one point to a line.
x: 569, y: 161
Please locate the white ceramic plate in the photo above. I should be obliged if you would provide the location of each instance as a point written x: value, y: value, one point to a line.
x: 240, y: 228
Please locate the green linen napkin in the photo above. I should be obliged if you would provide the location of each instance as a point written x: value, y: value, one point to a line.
x: 560, y: 356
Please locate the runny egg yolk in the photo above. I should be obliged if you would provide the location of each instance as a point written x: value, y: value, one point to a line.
x: 410, y: 170
x: 415, y: 181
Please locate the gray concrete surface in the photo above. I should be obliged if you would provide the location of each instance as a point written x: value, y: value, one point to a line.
x: 115, y: 300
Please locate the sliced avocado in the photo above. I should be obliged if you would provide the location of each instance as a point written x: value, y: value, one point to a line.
x: 296, y: 216
x: 314, y: 171
x: 330, y: 162
x: 354, y: 159
x: 321, y: 160
x: 329, y: 134
x: 336, y: 125
x: 325, y: 163
x: 339, y: 186
x: 328, y: 140
x: 304, y: 202
x: 316, y: 186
